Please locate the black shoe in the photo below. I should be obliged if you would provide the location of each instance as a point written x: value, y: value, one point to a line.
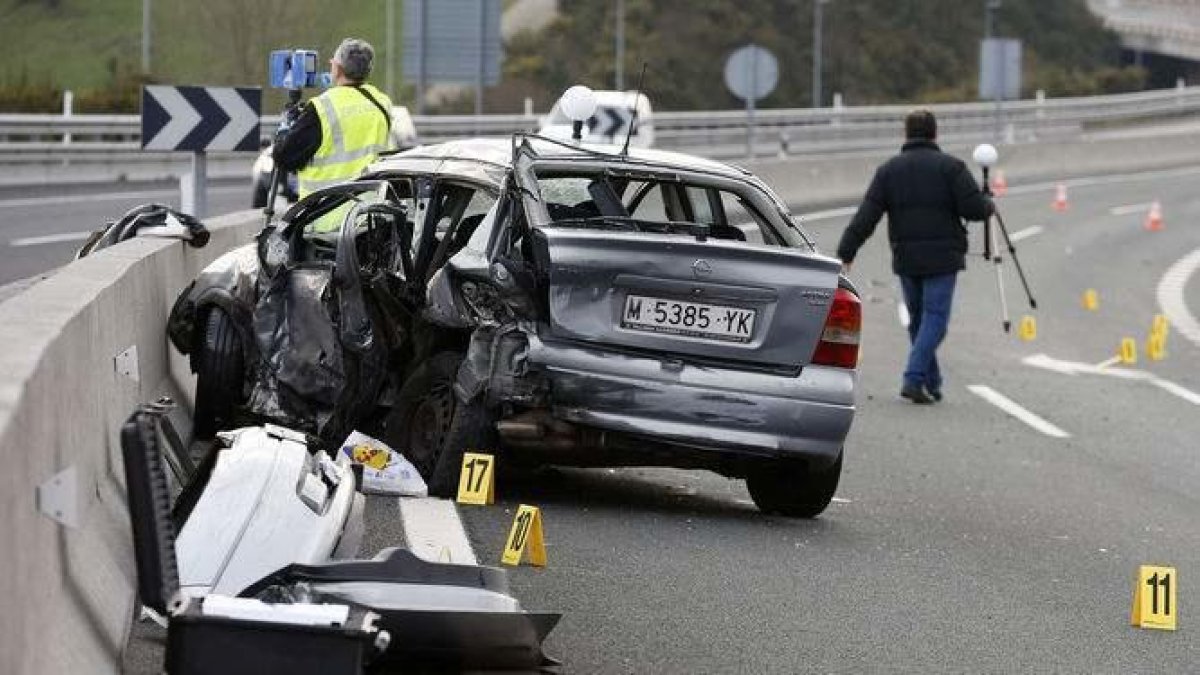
x: 916, y: 394
x: 936, y: 394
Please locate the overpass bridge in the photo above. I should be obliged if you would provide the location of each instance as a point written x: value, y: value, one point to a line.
x: 1167, y: 27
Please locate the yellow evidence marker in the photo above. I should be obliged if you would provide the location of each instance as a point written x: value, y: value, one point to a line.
x: 1154, y: 594
x: 1159, y: 327
x: 1156, y: 349
x: 1091, y: 300
x: 477, y: 483
x: 1129, y: 350
x: 526, y: 535
x: 1028, y: 328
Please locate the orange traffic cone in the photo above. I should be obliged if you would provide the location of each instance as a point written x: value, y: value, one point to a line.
x: 999, y: 184
x: 1060, y: 198
x: 1154, y: 219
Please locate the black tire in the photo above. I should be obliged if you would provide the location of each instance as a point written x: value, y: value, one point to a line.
x: 793, y: 489
x: 261, y: 192
x: 220, y: 375
x: 431, y: 428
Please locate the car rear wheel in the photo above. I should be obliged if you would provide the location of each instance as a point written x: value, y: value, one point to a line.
x: 793, y: 488
x: 432, y: 429
x: 220, y: 372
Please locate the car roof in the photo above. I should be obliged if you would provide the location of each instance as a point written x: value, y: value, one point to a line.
x: 491, y: 157
x: 484, y: 160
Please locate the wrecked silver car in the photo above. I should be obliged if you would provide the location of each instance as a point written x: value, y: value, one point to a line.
x: 644, y: 308
x: 553, y: 302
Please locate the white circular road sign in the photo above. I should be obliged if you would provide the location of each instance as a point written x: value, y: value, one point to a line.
x: 751, y: 72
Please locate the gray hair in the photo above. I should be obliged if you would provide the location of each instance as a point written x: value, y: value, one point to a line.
x: 355, y: 56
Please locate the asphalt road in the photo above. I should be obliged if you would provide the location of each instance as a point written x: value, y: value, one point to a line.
x: 42, y: 227
x: 962, y: 539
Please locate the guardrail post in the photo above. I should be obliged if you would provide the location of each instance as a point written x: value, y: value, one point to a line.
x: 68, y: 105
x: 192, y: 186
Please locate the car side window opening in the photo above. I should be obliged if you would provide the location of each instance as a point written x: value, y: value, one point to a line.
x: 455, y: 212
x: 739, y: 216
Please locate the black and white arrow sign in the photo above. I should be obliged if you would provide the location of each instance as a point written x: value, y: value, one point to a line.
x: 611, y: 123
x: 200, y: 119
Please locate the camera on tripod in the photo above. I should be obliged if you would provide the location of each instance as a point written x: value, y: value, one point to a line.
x: 293, y: 69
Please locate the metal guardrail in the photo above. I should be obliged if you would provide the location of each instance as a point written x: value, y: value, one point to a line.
x: 34, y: 137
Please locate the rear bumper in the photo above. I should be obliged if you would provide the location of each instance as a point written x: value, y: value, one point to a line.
x: 732, y: 412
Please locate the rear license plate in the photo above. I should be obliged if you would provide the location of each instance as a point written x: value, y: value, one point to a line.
x: 693, y: 319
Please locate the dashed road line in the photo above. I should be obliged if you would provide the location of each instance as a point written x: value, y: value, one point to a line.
x: 1012, y: 408
x: 434, y: 530
x: 1129, y: 209
x: 1026, y: 233
x: 831, y: 213
x: 50, y: 239
x: 1171, y: 296
x: 1137, y: 177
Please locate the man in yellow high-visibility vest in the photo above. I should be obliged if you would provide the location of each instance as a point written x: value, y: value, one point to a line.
x: 340, y: 132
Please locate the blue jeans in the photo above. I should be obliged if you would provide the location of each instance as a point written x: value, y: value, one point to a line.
x: 928, y: 300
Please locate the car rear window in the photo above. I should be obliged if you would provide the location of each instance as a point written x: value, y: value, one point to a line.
x: 652, y: 205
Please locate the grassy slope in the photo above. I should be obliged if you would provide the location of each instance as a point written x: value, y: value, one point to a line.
x: 81, y: 44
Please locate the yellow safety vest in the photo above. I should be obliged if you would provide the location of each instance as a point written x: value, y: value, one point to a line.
x: 353, y: 132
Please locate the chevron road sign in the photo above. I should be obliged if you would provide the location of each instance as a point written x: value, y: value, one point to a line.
x: 610, y: 123
x: 200, y: 119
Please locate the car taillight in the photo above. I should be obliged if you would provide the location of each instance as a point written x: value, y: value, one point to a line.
x: 839, y: 340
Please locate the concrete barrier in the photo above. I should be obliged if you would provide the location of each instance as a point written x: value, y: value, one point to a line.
x: 812, y: 181
x: 68, y: 592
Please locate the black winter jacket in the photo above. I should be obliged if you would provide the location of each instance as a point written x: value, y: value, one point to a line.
x: 926, y: 194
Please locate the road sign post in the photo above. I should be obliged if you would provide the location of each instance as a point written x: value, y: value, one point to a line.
x: 199, y: 120
x: 751, y: 73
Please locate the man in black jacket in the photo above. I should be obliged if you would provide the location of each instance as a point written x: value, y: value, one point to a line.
x: 926, y: 195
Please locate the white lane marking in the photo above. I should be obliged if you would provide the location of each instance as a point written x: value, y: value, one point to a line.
x: 1074, y: 368
x: 1042, y: 187
x: 1009, y: 406
x: 902, y: 311
x: 1106, y: 180
x: 1182, y: 392
x: 831, y: 213
x: 434, y: 531
x: 1026, y: 233
x: 50, y: 239
x: 1108, y: 362
x: 1129, y: 209
x: 1171, y: 296
x: 108, y: 196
